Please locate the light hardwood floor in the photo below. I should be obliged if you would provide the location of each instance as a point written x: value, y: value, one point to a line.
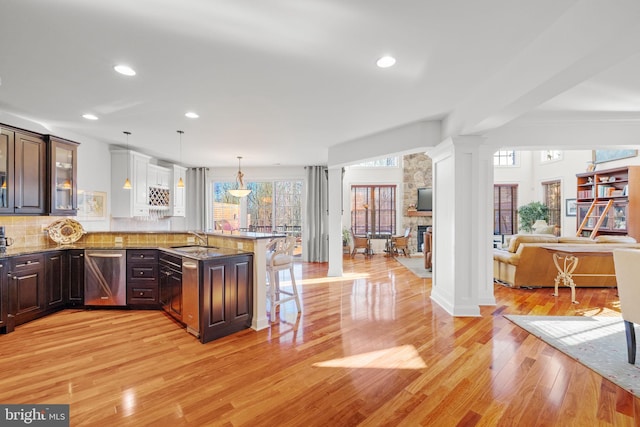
x: 369, y: 349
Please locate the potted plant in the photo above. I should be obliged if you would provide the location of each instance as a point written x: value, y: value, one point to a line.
x: 346, y: 236
x: 530, y: 213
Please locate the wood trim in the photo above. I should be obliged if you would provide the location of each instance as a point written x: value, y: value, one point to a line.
x: 419, y: 213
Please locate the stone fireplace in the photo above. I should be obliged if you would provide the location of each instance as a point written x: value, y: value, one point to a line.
x: 416, y: 174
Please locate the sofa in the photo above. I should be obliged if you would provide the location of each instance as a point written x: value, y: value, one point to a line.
x: 525, y: 262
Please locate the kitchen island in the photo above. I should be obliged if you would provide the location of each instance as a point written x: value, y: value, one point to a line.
x: 256, y: 243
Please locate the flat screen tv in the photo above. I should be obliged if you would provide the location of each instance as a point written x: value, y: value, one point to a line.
x: 425, y: 199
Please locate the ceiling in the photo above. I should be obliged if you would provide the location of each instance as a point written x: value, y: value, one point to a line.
x: 280, y: 82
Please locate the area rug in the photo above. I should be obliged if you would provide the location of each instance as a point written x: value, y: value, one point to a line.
x: 599, y: 343
x: 415, y: 264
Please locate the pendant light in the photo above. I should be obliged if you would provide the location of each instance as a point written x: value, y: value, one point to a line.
x: 240, y: 191
x: 180, y: 181
x: 127, y: 183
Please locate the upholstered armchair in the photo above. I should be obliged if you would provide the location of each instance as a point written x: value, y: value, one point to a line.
x: 627, y: 265
x: 427, y: 248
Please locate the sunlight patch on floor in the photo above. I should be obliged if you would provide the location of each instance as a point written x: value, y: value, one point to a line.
x: 601, y: 311
x: 343, y: 278
x: 401, y: 357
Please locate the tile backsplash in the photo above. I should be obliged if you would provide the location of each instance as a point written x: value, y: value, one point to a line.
x: 30, y: 231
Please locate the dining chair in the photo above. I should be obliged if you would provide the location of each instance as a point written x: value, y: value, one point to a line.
x: 627, y: 266
x: 401, y: 243
x: 360, y: 242
x: 280, y: 258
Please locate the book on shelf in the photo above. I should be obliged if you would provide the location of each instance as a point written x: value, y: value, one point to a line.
x: 585, y: 194
x: 606, y: 190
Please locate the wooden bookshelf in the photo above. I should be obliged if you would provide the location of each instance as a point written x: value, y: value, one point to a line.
x: 622, y: 185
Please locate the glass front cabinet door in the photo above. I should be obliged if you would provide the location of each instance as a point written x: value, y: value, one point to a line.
x: 6, y: 170
x: 63, y: 165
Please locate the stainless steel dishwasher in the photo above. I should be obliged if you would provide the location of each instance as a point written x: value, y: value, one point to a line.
x: 191, y: 295
x: 105, y: 280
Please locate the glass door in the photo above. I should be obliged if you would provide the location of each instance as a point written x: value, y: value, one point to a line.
x: 6, y: 170
x: 64, y: 200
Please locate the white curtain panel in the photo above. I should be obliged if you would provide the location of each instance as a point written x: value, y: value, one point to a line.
x: 197, y: 199
x: 315, y: 231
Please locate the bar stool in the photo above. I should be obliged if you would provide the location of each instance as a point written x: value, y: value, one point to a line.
x: 280, y: 258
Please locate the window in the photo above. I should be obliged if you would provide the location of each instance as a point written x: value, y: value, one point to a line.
x: 504, y: 158
x: 550, y: 155
x: 373, y: 209
x: 552, y: 199
x: 287, y: 207
x: 260, y: 207
x: 271, y: 206
x: 225, y: 206
x: 387, y: 162
x: 505, y: 208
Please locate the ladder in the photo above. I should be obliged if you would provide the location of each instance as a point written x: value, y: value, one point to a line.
x: 600, y: 218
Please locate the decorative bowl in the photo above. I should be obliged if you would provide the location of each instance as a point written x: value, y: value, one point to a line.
x: 65, y: 231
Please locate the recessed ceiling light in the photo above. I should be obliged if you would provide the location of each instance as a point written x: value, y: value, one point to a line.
x: 125, y: 70
x: 192, y: 115
x: 386, y: 62
x: 90, y: 116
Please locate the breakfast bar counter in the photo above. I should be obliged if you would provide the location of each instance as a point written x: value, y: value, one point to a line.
x: 256, y: 243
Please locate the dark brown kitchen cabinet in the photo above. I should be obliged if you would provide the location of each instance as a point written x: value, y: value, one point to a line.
x: 6, y: 322
x: 56, y: 280
x: 62, y: 172
x: 75, y: 289
x: 226, y: 296
x: 171, y: 285
x: 142, y: 277
x: 27, y: 289
x: 22, y: 172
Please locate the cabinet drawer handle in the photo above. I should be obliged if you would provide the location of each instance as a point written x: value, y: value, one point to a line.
x: 142, y: 273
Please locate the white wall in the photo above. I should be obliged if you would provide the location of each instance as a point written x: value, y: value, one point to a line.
x: 94, y: 174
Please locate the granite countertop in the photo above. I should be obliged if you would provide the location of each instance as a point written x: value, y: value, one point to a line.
x: 245, y: 235
x: 192, y: 251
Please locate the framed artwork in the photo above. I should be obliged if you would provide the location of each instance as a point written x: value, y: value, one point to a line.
x: 601, y: 156
x: 92, y: 205
x: 571, y: 207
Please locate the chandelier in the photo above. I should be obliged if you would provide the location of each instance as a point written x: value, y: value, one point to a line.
x: 240, y: 190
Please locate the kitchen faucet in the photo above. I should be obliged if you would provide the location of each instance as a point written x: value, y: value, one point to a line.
x: 201, y: 238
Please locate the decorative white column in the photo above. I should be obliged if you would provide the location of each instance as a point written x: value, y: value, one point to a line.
x: 335, y: 222
x: 260, y: 320
x: 484, y: 225
x: 462, y: 242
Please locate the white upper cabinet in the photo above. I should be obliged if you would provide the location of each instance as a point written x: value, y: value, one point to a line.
x: 158, y: 176
x: 127, y: 164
